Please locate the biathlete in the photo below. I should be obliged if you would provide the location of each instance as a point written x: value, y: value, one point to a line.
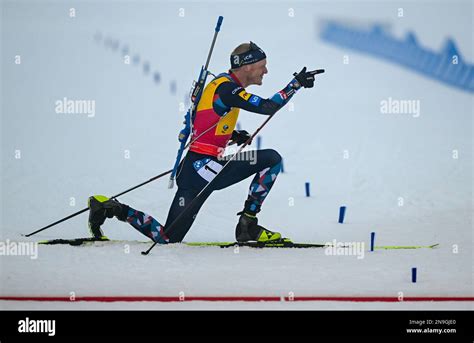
x: 213, y: 129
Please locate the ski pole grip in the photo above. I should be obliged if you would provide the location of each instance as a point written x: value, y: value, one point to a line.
x: 219, y: 22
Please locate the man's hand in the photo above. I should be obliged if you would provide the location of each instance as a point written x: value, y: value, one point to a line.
x: 306, y: 78
x: 239, y: 137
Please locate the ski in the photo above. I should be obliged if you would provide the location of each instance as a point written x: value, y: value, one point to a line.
x: 283, y: 243
x: 407, y: 246
x: 75, y: 241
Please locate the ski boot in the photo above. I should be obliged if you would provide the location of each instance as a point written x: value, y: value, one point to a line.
x: 100, y: 208
x: 248, y: 230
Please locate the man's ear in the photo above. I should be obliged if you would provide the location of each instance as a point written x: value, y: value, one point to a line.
x: 247, y: 68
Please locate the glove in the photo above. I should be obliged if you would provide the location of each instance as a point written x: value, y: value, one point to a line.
x: 306, y: 78
x: 239, y: 137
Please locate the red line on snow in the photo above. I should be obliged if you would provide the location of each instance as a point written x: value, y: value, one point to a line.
x: 228, y: 298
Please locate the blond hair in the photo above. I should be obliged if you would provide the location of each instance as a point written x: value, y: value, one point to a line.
x: 244, y: 47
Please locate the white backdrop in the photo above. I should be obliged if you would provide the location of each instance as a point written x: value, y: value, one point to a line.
x: 392, y: 158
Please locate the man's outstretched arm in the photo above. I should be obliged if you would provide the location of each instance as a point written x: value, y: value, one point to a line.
x: 233, y: 95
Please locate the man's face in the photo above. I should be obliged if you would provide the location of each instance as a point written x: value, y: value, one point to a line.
x: 256, y: 71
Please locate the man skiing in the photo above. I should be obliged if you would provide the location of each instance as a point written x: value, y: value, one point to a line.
x: 213, y: 130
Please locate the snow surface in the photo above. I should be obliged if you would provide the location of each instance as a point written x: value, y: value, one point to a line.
x: 67, y: 157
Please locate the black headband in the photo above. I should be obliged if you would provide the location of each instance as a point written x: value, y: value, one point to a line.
x: 254, y: 55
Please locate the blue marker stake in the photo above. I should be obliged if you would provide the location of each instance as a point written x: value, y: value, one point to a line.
x: 342, y: 213
x: 413, y: 275
x: 156, y: 77
x: 173, y: 87
x: 146, y: 67
x: 372, y: 241
x: 307, y: 189
x: 259, y: 142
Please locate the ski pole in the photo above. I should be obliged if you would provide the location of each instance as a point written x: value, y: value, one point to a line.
x: 86, y: 209
x: 202, y: 190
